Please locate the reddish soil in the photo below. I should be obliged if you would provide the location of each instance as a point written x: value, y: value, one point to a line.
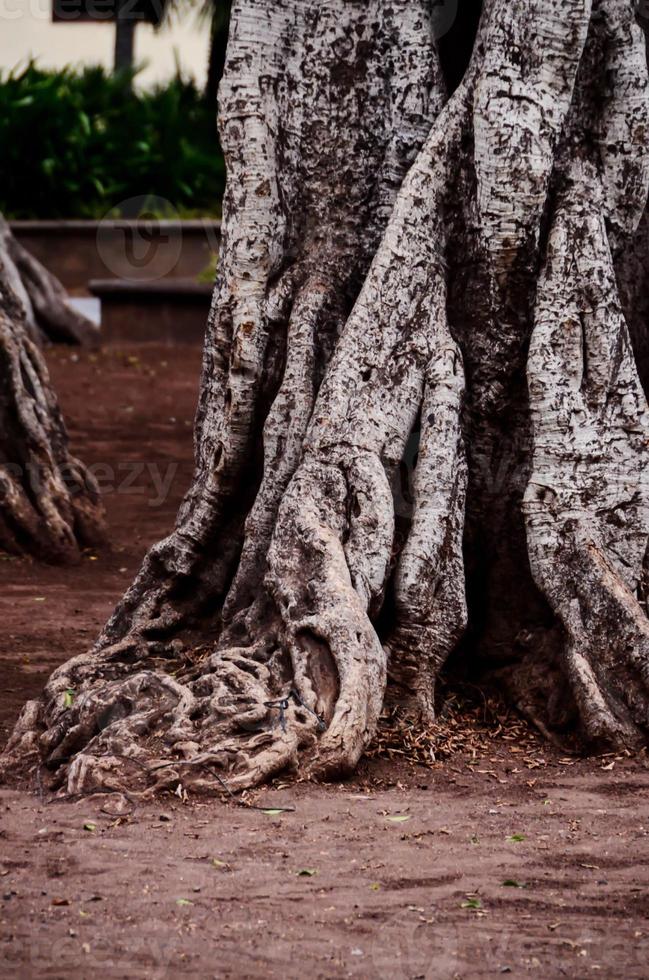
x: 513, y: 861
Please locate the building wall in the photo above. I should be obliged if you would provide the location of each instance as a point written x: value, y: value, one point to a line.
x: 26, y: 30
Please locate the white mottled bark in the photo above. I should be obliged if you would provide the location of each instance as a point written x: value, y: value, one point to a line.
x: 398, y: 279
x: 587, y: 505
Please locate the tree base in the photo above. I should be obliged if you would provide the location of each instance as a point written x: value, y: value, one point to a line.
x: 420, y: 412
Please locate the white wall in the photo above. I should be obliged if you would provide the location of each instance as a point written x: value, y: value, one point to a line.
x: 26, y: 30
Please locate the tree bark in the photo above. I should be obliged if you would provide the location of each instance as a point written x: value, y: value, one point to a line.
x: 49, y: 503
x: 410, y: 286
x: 44, y: 302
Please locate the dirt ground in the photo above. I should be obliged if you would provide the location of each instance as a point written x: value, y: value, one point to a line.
x: 513, y: 860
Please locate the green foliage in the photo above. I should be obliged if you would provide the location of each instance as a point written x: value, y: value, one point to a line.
x: 208, y: 275
x: 75, y: 144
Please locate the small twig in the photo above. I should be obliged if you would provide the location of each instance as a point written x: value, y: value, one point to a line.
x: 207, y: 765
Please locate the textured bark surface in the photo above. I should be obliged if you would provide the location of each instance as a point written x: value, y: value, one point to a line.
x: 422, y: 309
x: 49, y: 503
x: 44, y: 301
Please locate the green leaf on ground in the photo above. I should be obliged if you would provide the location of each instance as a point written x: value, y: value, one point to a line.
x: 90, y: 826
x: 68, y: 698
x: 399, y: 818
x: 471, y: 903
x: 512, y: 883
x: 515, y: 838
x: 306, y: 872
x: 183, y: 901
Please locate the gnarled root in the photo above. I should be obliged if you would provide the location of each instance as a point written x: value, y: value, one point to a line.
x: 233, y: 714
x: 587, y: 505
x: 430, y: 598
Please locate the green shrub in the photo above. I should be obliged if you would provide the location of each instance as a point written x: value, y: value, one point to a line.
x: 75, y: 144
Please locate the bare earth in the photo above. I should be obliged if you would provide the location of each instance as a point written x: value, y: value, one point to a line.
x: 515, y: 860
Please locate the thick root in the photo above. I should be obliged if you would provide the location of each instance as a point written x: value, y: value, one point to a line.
x: 430, y: 598
x: 324, y: 595
x: 587, y: 505
x: 237, y: 718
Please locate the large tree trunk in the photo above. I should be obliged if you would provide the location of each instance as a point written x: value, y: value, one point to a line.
x: 409, y: 287
x: 49, y: 503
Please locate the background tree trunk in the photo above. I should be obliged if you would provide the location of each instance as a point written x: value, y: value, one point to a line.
x: 219, y: 26
x: 49, y: 503
x: 404, y: 280
x: 45, y: 308
x: 125, y: 24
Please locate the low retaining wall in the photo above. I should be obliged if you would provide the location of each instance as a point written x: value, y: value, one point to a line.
x: 134, y: 251
x: 173, y: 311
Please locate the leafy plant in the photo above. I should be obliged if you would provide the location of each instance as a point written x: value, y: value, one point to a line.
x: 75, y: 144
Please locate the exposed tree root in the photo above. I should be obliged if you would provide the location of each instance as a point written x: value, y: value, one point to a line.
x: 587, y: 505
